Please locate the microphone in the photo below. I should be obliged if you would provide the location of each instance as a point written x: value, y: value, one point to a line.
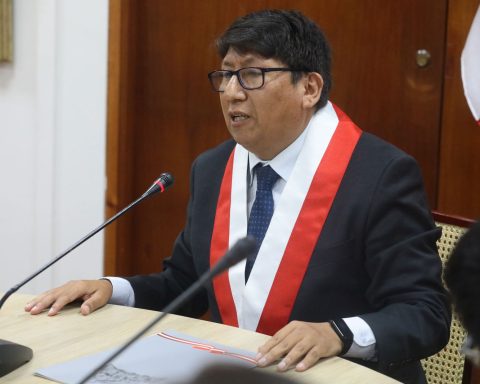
x: 14, y: 355
x: 240, y: 250
x: 160, y: 185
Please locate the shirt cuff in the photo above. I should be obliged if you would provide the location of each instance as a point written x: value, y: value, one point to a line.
x: 122, y: 293
x: 364, y: 341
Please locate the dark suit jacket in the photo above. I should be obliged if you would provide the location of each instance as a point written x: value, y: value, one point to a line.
x: 376, y: 257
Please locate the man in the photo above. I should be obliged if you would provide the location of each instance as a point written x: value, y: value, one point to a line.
x: 348, y: 265
x: 462, y: 276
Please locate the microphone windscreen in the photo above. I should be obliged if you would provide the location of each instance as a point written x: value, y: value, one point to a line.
x: 160, y: 185
x: 166, y: 179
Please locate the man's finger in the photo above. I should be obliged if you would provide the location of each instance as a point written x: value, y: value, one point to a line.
x: 98, y: 299
x: 309, y: 360
x: 276, y: 339
x: 296, y: 354
x: 277, y: 352
x: 85, y: 309
x: 41, y: 303
x: 31, y: 304
x: 59, y: 303
x: 37, y: 307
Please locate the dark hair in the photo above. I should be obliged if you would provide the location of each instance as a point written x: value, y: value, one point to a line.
x: 286, y: 35
x: 462, y: 276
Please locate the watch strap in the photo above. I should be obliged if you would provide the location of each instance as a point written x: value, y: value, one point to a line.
x: 344, y: 333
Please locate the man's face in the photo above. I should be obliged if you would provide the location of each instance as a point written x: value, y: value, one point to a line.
x: 267, y: 120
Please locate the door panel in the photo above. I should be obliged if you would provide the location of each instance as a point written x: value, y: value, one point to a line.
x: 459, y: 179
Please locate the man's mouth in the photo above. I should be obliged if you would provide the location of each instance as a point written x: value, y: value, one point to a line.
x: 238, y: 117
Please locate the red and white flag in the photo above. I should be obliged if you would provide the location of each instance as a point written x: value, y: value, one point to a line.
x: 471, y: 68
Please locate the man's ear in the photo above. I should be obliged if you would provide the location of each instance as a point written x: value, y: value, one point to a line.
x: 313, y: 83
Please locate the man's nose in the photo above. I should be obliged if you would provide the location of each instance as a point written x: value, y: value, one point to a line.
x: 234, y: 89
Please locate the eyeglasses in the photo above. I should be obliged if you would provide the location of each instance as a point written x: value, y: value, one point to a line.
x: 249, y: 77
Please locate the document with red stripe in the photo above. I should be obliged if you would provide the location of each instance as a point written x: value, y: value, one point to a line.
x: 165, y: 357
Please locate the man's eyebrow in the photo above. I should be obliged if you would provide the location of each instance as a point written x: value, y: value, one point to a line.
x: 245, y: 62
x: 226, y: 64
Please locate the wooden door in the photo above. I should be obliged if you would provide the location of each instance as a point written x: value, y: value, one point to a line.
x: 459, y: 155
x: 162, y: 113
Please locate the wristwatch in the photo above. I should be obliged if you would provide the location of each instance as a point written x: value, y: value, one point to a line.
x: 344, y: 333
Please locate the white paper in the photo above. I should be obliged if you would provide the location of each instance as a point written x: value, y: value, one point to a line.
x: 154, y: 359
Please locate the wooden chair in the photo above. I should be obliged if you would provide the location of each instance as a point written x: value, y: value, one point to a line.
x: 448, y: 366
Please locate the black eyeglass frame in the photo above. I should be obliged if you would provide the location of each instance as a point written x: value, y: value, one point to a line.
x: 237, y: 74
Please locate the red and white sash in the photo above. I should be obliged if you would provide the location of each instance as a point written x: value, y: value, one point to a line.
x: 264, y: 304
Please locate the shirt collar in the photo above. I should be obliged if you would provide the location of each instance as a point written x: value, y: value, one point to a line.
x: 284, y: 162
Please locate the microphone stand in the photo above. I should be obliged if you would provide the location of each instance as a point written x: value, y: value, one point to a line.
x: 13, y: 355
x: 240, y: 250
x: 66, y: 252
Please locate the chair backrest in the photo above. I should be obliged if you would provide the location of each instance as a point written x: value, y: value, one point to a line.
x: 447, y: 366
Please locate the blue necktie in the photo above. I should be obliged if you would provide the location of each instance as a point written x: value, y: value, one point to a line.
x: 262, y: 210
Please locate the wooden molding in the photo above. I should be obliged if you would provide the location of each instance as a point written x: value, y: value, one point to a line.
x: 6, y: 30
x: 118, y: 165
x: 452, y: 219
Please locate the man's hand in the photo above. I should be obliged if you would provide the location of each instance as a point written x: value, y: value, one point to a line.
x: 93, y: 293
x: 299, y: 344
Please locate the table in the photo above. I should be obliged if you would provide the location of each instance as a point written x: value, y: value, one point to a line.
x: 69, y: 335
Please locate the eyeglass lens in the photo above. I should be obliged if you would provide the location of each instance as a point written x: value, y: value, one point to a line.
x: 249, y: 78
